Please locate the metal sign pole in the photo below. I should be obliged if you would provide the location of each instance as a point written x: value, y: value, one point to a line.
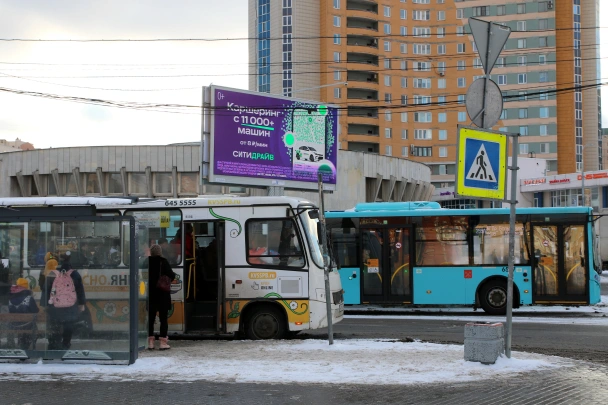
x: 326, y: 262
x: 205, y: 137
x: 513, y: 201
x: 486, y: 80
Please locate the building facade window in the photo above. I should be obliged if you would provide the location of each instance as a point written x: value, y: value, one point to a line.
x: 424, y: 116
x: 114, y: 184
x: 263, y: 46
x: 91, y: 184
x: 138, y: 184
x: 423, y: 134
x: 523, y: 113
x: 188, y: 183
x: 163, y: 183
x: 544, y: 112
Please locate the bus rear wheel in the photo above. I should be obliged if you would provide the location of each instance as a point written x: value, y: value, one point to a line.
x: 266, y: 322
x: 494, y: 297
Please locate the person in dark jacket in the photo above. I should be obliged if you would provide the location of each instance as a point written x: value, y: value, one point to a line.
x: 60, y: 321
x: 20, y: 301
x: 158, y: 300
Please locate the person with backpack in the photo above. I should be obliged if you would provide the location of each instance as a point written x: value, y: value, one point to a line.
x: 64, y: 298
x: 20, y: 301
x: 158, y: 300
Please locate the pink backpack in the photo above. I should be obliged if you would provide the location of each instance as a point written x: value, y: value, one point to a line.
x: 63, y: 292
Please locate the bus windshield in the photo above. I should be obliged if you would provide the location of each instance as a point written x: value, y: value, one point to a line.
x: 310, y: 219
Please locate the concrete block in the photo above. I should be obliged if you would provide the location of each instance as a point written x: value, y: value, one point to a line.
x: 483, y: 342
x: 484, y: 330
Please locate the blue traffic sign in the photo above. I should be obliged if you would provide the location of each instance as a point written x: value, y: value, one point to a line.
x: 481, y: 163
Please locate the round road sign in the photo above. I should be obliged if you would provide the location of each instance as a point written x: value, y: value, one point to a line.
x: 474, y: 103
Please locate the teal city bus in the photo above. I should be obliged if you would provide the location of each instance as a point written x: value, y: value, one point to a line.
x: 421, y: 254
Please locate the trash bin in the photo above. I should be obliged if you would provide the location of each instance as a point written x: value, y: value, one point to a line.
x: 483, y: 342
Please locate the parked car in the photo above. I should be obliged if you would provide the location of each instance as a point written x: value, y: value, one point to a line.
x: 308, y: 153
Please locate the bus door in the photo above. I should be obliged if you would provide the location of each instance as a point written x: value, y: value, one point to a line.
x: 203, y: 275
x: 385, y: 265
x: 560, y: 264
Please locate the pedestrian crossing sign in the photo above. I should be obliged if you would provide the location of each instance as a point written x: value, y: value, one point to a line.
x: 481, y: 167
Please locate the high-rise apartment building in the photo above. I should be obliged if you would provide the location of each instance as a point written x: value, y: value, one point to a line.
x: 408, y: 65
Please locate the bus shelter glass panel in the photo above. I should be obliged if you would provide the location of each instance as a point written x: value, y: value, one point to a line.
x: 65, y: 289
x: 163, y: 228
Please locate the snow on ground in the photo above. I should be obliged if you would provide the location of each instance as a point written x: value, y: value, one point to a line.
x: 291, y: 361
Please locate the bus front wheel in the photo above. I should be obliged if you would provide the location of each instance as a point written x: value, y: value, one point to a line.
x: 494, y: 297
x: 265, y: 322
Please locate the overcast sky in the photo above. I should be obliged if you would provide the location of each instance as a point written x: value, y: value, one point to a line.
x: 57, y: 67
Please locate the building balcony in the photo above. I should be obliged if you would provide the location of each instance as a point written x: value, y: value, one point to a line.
x: 363, y: 58
x: 361, y: 94
x: 363, y: 130
x: 363, y: 112
x: 362, y: 40
x: 362, y: 5
x: 362, y: 76
x: 361, y: 24
x: 366, y: 147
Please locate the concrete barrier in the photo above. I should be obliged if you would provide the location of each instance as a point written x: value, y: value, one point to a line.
x: 483, y: 342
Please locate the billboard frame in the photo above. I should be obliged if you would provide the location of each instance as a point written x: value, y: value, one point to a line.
x: 208, y: 146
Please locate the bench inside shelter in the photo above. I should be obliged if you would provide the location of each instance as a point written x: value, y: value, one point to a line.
x: 13, y: 326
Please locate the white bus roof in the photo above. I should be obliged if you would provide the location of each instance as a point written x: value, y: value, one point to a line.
x: 200, y: 201
x: 50, y: 201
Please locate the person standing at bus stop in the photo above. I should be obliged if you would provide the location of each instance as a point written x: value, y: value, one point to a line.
x: 159, y: 301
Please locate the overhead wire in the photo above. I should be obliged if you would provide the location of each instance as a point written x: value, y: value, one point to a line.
x: 135, y: 40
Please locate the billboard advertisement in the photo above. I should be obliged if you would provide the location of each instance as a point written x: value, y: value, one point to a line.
x: 263, y: 140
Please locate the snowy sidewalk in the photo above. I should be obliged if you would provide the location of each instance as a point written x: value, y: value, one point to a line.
x: 359, y: 362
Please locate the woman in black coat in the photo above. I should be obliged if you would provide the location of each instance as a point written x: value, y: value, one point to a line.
x: 158, y: 300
